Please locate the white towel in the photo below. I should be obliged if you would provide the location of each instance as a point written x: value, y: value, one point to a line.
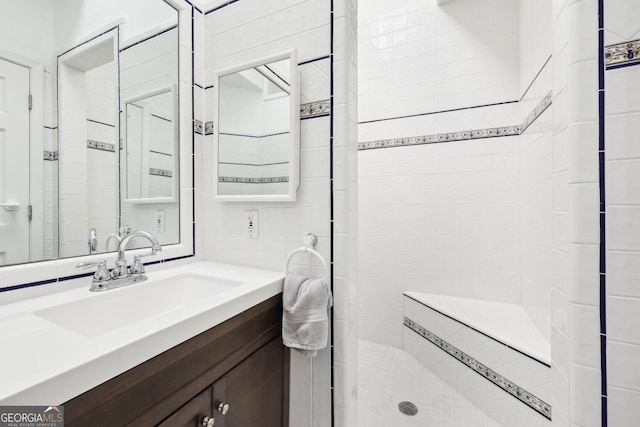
x: 305, y: 320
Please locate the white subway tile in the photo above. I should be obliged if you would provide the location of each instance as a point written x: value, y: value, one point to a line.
x: 585, y: 396
x: 623, y: 322
x: 584, y: 277
x: 623, y: 269
x: 582, y: 33
x: 623, y: 228
x: 583, y: 152
x: 584, y: 224
x: 584, y: 321
x: 623, y: 365
x: 621, y: 86
x: 583, y: 91
x: 621, y: 19
x: 619, y: 134
x: 622, y: 406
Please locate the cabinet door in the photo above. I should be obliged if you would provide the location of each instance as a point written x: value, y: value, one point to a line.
x: 192, y: 413
x: 254, y: 390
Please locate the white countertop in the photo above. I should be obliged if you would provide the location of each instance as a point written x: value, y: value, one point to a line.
x: 44, y: 363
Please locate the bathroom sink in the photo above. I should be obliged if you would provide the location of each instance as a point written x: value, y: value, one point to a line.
x: 108, y: 311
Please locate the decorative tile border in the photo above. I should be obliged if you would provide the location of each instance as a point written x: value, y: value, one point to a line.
x: 247, y: 180
x: 208, y: 128
x: 537, y: 112
x: 510, y: 387
x: 466, y: 135
x: 103, y: 146
x: 160, y: 172
x: 315, y: 109
x: 198, y: 127
x: 50, y: 155
x: 627, y: 53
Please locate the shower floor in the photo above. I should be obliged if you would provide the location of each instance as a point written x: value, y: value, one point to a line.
x: 388, y: 376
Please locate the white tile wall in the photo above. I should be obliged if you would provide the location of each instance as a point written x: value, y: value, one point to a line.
x: 245, y: 31
x: 622, y: 23
x: 560, y: 333
x: 418, y: 57
x: 438, y: 218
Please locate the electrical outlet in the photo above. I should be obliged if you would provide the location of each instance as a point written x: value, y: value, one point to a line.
x: 252, y: 224
x: 160, y: 222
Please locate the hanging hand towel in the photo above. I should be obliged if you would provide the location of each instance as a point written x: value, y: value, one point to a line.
x: 305, y: 320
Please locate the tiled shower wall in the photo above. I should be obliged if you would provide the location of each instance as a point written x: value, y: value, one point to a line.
x: 321, y: 32
x: 431, y: 57
x: 469, y: 212
x: 594, y: 341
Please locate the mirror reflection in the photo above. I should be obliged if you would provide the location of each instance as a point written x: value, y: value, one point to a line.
x: 150, y: 143
x: 91, y: 73
x: 256, y: 110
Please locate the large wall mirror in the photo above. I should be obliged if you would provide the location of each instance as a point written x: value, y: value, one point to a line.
x: 91, y: 114
x: 258, y: 121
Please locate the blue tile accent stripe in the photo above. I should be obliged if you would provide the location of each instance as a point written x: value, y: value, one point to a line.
x: 535, y: 403
x: 611, y: 56
x: 463, y: 135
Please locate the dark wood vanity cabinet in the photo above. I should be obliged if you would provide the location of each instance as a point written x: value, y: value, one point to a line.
x: 240, y: 363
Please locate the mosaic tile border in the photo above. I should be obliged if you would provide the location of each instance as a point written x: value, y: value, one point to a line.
x: 622, y: 53
x: 208, y: 128
x: 466, y: 135
x: 160, y: 172
x: 50, y: 155
x: 537, y: 112
x: 247, y: 180
x: 510, y: 387
x: 103, y: 146
x: 315, y: 109
x: 198, y: 127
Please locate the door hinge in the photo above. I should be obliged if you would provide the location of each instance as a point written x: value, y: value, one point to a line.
x: 30, y: 102
x: 30, y: 211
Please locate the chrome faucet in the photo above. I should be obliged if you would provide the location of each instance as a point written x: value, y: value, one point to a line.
x: 121, y: 262
x: 104, y: 279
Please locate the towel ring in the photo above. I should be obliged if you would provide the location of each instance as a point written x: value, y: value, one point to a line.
x: 313, y: 252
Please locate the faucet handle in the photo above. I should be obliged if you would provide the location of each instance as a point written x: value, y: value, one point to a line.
x: 102, y: 272
x: 137, y: 267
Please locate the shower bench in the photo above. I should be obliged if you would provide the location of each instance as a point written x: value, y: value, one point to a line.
x: 490, y: 352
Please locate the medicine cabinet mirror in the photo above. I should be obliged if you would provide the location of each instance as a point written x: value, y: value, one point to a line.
x: 258, y: 130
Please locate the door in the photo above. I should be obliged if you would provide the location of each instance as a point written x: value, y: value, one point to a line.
x: 192, y: 413
x: 254, y: 390
x: 14, y: 163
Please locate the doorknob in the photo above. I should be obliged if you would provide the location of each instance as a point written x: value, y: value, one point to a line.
x: 10, y: 205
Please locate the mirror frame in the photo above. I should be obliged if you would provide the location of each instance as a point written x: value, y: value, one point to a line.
x: 29, y: 275
x: 176, y: 177
x: 294, y: 126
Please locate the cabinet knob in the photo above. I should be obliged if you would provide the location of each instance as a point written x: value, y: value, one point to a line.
x: 208, y: 422
x: 223, y: 407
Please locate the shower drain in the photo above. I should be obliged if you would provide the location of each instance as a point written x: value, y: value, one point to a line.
x: 408, y: 408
